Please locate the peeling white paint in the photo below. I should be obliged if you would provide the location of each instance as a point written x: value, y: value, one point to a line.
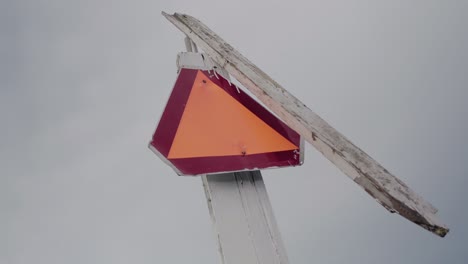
x: 389, y: 191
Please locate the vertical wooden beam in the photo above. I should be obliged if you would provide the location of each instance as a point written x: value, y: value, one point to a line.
x: 242, y: 216
x: 243, y: 220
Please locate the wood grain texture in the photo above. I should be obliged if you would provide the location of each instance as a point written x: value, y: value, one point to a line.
x: 388, y: 190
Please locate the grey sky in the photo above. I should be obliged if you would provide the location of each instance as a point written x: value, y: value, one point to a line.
x: 82, y: 85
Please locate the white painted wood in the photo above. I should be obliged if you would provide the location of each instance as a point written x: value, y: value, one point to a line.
x: 243, y: 221
x: 388, y: 190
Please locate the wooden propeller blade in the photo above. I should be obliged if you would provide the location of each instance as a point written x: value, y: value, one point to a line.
x: 388, y: 190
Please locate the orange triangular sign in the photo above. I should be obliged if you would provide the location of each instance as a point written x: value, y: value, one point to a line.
x: 215, y: 124
x: 210, y: 126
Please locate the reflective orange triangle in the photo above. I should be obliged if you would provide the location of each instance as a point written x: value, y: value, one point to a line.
x: 216, y: 124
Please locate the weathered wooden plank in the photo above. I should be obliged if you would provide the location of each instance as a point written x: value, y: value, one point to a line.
x: 243, y: 221
x: 388, y: 190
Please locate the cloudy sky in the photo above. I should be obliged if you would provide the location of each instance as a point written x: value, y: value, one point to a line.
x: 83, y: 83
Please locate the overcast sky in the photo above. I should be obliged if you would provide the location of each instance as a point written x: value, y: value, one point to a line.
x: 83, y: 83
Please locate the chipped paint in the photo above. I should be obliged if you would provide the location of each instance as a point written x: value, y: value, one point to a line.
x: 389, y: 191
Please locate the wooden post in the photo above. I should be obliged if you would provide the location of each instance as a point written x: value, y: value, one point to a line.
x: 243, y: 221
